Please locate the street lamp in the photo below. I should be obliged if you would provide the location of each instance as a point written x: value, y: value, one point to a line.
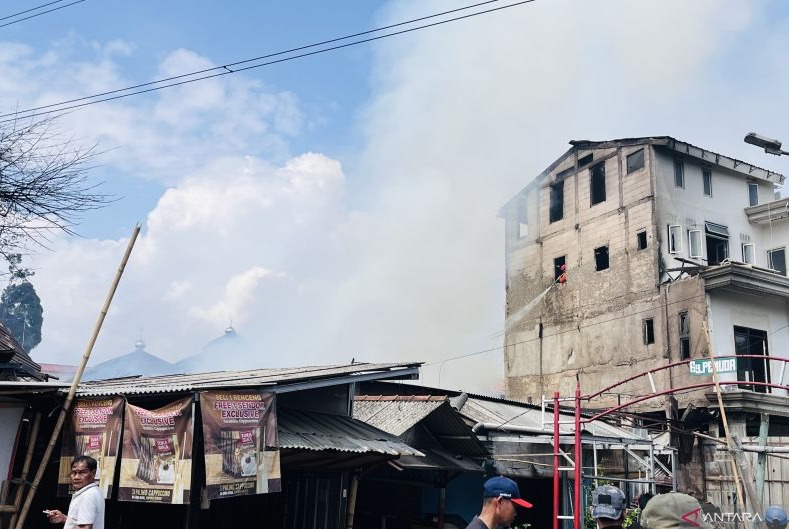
x: 769, y: 145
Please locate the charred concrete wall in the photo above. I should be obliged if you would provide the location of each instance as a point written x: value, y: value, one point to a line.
x: 610, y: 319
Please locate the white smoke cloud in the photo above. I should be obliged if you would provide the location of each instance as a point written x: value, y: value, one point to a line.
x: 398, y: 256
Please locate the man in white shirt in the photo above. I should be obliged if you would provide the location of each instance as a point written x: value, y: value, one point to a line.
x: 86, y: 510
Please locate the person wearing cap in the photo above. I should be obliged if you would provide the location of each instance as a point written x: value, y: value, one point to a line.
x: 501, y: 495
x: 674, y: 510
x: 775, y: 517
x: 608, y: 506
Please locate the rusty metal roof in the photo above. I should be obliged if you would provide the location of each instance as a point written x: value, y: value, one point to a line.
x: 275, y: 379
x: 321, y: 431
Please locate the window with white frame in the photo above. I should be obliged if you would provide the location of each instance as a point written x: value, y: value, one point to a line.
x: 753, y: 193
x: 776, y: 259
x: 674, y: 238
x: 748, y: 255
x: 694, y: 244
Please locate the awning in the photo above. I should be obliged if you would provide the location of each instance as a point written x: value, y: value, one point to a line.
x: 717, y: 229
x: 321, y: 431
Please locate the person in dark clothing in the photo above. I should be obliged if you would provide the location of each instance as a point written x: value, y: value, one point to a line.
x: 498, y: 508
x: 642, y: 502
x: 608, y: 507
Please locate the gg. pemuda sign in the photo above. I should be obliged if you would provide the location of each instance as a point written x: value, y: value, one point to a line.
x: 704, y: 366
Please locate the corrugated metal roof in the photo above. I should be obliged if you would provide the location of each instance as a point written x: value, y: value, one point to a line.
x: 394, y: 414
x: 505, y: 413
x: 234, y: 379
x: 398, y: 414
x: 320, y: 431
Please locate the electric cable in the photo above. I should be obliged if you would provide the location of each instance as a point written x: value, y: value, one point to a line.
x: 37, y: 14
x: 231, y: 68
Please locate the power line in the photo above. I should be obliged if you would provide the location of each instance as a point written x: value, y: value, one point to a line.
x: 231, y: 68
x: 37, y: 14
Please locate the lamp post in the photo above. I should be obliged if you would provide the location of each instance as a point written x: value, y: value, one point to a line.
x: 769, y: 145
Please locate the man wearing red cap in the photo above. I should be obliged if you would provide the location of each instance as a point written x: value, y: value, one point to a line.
x: 498, y: 508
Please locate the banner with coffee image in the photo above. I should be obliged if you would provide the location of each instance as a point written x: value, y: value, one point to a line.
x: 93, y: 429
x: 240, y: 441
x: 156, y: 462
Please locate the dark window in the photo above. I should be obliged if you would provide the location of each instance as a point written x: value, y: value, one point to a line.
x: 558, y: 263
x: 777, y: 259
x: 585, y: 160
x: 641, y: 240
x: 753, y: 194
x: 635, y: 161
x: 684, y: 335
x: 679, y: 173
x: 556, y: 209
x: 706, y: 176
x: 597, y: 183
x: 717, y: 241
x: 649, y: 331
x: 601, y: 258
x: 751, y: 342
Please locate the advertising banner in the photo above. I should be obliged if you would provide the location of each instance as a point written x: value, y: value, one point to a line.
x: 156, y: 461
x: 92, y: 429
x: 240, y: 441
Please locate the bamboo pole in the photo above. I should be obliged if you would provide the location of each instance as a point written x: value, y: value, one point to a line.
x: 724, y: 418
x: 77, y: 378
x: 26, y: 467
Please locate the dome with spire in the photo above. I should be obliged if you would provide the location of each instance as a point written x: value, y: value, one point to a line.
x: 138, y: 362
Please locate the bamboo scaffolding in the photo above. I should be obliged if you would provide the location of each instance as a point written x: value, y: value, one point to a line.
x: 25, y: 468
x: 77, y: 378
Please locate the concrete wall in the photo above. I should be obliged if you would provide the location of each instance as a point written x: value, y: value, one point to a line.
x: 593, y: 324
x: 757, y: 312
x: 690, y: 208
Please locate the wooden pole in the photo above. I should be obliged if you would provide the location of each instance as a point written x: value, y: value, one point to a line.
x: 729, y: 444
x: 31, y: 443
x: 747, y: 474
x: 761, y: 459
x: 77, y: 378
x: 349, y: 517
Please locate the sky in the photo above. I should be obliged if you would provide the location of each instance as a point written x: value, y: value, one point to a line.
x: 344, y: 205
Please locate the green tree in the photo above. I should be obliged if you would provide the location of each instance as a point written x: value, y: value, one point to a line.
x: 20, y: 306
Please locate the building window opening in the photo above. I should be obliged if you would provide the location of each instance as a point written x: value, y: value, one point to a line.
x: 597, y: 183
x: 752, y: 342
x: 706, y: 177
x: 674, y: 238
x: 556, y: 208
x: 748, y: 254
x: 753, y: 193
x: 776, y: 259
x: 559, y: 266
x: 694, y: 244
x: 649, y: 331
x: 585, y: 160
x: 523, y: 225
x: 641, y: 240
x: 601, y: 258
x: 635, y: 161
x: 679, y: 174
x: 684, y: 335
x: 717, y: 241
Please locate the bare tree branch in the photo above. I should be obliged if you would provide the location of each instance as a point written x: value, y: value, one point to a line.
x: 44, y: 186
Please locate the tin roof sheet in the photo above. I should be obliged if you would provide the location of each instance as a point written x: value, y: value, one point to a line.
x: 320, y: 431
x: 272, y: 377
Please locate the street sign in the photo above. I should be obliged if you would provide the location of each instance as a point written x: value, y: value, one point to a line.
x: 703, y: 367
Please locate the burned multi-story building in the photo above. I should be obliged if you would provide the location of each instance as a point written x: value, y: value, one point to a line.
x: 671, y: 252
